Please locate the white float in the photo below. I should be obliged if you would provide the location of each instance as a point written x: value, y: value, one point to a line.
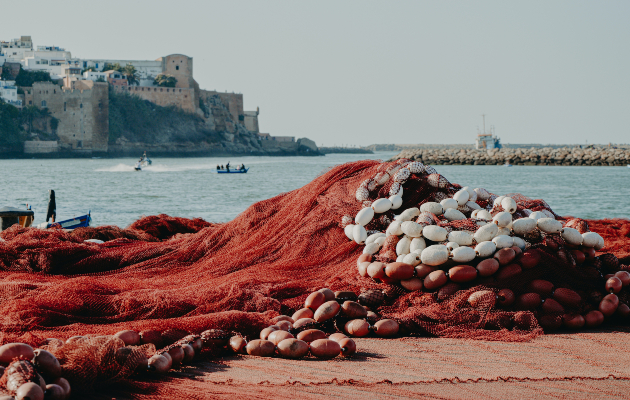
x: 434, y: 233
x: 461, y: 197
x: 364, y: 216
x: 412, y: 259
x: 571, y: 236
x: 396, y: 202
x: 359, y: 234
x: 590, y: 239
x: 503, y: 241
x: 411, y: 229
x: 417, y: 245
x: 502, y: 219
x: 485, y: 233
x: 523, y: 226
x: 549, y: 225
x: 402, y: 247
x: 371, y: 248
x: 462, y: 238
x: 485, y: 249
x: 432, y: 207
x: 509, y: 205
x: 381, y: 205
x: 434, y: 255
x: 348, y: 231
x: 454, y: 215
x: 451, y: 246
x: 463, y: 254
x: 447, y: 203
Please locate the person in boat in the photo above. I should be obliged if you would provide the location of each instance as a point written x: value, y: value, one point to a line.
x: 227, y: 166
x: 139, y: 165
x: 218, y: 167
x: 242, y: 167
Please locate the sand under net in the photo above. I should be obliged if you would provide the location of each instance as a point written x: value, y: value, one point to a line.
x: 180, y: 277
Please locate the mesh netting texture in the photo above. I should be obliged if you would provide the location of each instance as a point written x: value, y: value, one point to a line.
x: 179, y: 277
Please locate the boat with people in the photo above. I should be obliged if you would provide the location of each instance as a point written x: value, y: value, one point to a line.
x: 240, y: 169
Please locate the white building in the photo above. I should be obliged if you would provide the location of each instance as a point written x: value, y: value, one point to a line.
x: 48, y: 58
x: 15, y: 49
x: 145, y: 70
x: 95, y: 76
x: 8, y: 93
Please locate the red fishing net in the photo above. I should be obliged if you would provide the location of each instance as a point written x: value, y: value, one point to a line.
x: 187, y: 276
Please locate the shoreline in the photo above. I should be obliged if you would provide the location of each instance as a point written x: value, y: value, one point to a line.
x: 175, y: 154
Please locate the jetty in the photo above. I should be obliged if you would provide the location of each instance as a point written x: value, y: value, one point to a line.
x: 552, y: 156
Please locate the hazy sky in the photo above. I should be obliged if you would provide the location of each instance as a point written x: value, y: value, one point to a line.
x: 363, y: 72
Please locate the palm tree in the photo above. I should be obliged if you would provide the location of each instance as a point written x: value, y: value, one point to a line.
x: 130, y: 72
x: 44, y: 113
x: 28, y: 114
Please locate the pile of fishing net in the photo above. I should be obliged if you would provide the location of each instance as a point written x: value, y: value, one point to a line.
x: 175, y: 277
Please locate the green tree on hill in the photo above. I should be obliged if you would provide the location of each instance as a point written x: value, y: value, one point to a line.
x: 28, y: 114
x: 130, y: 72
x: 10, y: 130
x: 112, y: 67
x: 165, y: 81
x: 27, y: 78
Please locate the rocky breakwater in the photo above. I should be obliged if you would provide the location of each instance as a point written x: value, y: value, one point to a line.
x: 601, y: 156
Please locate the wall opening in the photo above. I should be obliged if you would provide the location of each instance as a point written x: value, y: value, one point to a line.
x: 43, y: 103
x: 177, y: 67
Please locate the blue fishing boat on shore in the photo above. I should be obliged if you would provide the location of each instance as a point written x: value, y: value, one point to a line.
x: 82, y: 221
x: 77, y: 222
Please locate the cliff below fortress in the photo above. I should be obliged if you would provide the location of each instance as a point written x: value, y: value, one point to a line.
x: 137, y: 125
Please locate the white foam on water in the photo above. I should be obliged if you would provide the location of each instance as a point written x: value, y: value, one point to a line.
x: 117, y: 168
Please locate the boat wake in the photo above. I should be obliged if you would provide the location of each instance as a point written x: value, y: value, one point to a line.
x: 156, y: 168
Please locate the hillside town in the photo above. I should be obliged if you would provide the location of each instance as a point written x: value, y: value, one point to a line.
x: 75, y: 94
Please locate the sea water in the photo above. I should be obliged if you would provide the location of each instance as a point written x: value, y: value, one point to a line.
x: 116, y: 194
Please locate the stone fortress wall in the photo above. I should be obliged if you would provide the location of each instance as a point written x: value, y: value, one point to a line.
x: 82, y: 111
x: 183, y: 98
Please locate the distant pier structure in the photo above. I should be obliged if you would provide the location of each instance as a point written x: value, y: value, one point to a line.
x: 487, y: 139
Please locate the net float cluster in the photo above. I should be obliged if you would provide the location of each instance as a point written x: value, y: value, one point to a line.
x: 32, y: 374
x: 36, y: 374
x: 324, y: 327
x: 457, y: 238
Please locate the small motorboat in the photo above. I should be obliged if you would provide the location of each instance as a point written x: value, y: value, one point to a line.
x: 145, y: 161
x: 232, y: 171
x: 507, y: 164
